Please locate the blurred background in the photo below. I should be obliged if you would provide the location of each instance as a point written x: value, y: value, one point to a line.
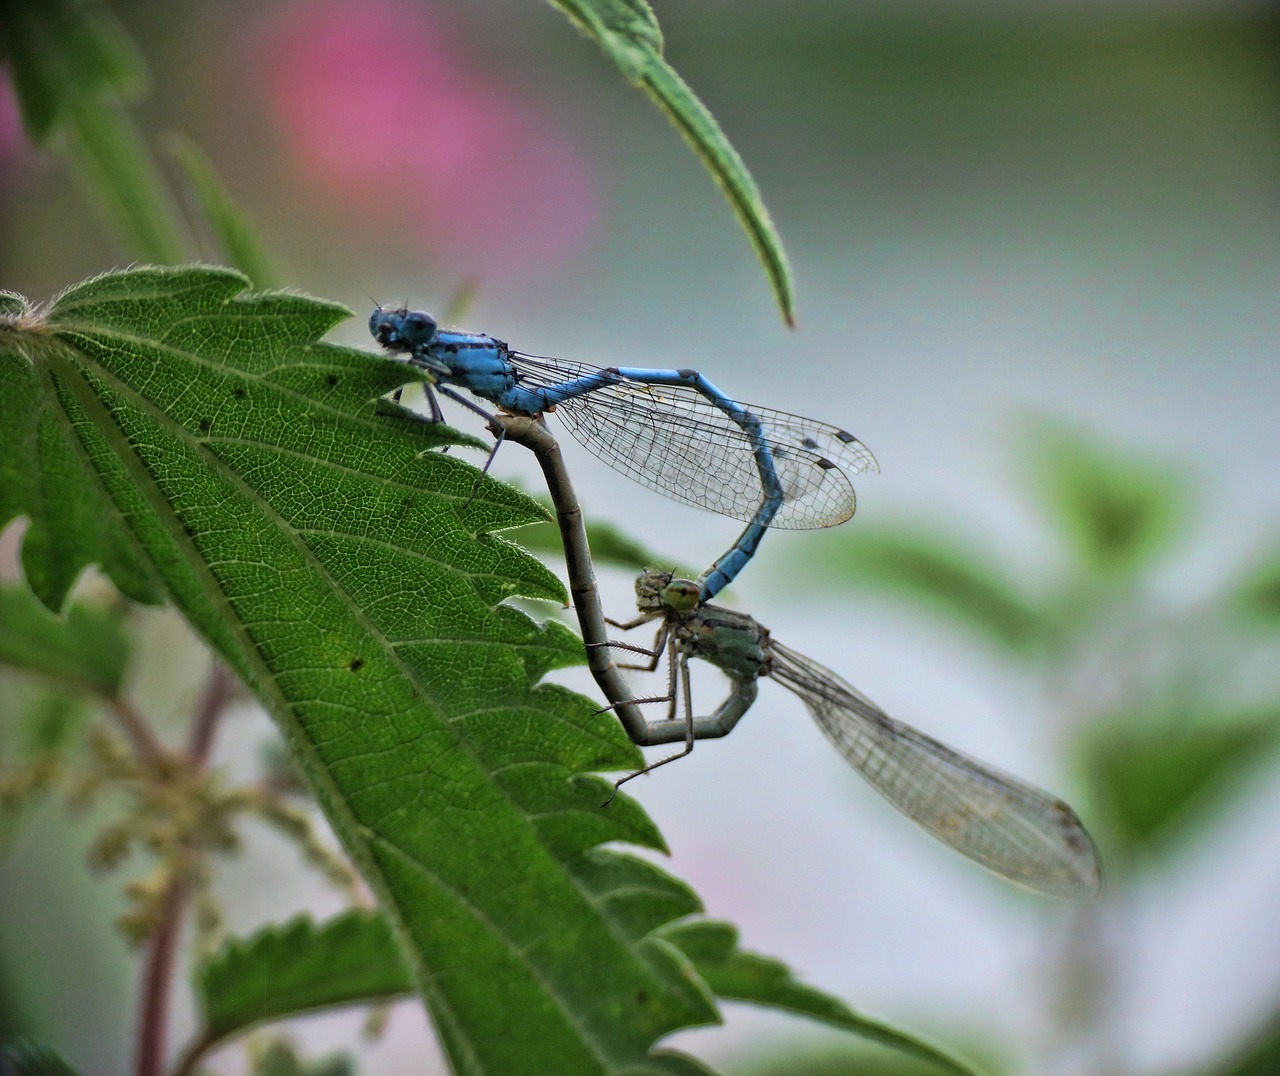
x: 1037, y: 265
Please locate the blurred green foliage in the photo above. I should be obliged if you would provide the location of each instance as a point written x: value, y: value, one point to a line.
x: 1164, y: 732
x: 1162, y: 737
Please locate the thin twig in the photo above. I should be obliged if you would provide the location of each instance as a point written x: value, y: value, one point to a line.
x: 162, y: 950
x: 218, y: 691
x: 145, y: 742
x: 157, y: 978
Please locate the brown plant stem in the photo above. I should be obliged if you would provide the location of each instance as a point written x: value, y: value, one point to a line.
x: 162, y: 947
x: 146, y: 744
x: 157, y: 979
x: 219, y: 689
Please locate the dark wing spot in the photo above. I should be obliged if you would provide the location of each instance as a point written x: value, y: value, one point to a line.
x: 809, y: 443
x: 826, y: 464
x: 845, y: 436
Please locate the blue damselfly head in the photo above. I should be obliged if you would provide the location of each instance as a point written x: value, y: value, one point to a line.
x: 402, y: 329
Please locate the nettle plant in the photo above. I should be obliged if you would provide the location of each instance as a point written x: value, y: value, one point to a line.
x: 197, y: 443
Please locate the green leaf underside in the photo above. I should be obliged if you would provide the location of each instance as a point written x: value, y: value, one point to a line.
x: 627, y: 32
x: 352, y: 959
x: 188, y: 436
x: 84, y: 648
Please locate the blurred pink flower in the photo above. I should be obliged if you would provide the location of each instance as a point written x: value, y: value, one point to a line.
x: 379, y: 105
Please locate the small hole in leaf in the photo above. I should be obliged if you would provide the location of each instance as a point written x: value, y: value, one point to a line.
x: 331, y: 380
x: 356, y: 664
x: 204, y: 425
x: 240, y: 393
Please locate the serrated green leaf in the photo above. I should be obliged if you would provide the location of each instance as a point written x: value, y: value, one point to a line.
x: 945, y: 574
x: 238, y: 241
x: 296, y: 968
x: 1156, y: 781
x: 352, y: 959
x: 84, y: 648
x: 627, y: 32
x: 737, y: 974
x: 43, y: 476
x: 73, y: 66
x: 1118, y: 514
x: 348, y: 570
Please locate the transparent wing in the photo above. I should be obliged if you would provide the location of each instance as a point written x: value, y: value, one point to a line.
x: 675, y: 440
x: 1012, y: 828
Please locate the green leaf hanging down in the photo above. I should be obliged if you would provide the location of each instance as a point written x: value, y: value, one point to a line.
x: 64, y: 54
x: 627, y: 31
x: 303, y: 966
x: 193, y: 438
x: 238, y: 243
x: 74, y: 68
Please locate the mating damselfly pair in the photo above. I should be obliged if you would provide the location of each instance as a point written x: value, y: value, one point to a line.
x: 674, y: 431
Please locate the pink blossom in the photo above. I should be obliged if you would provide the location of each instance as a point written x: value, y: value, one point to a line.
x: 379, y: 105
